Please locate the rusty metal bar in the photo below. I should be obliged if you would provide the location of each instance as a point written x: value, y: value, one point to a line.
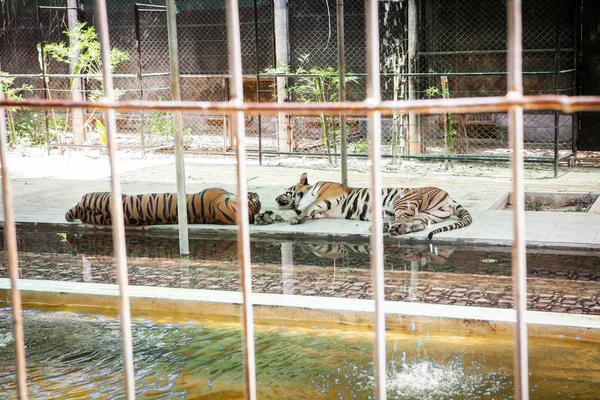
x: 10, y: 238
x: 116, y: 202
x: 374, y: 125
x: 567, y: 104
x: 519, y: 261
x: 236, y: 92
x: 184, y: 246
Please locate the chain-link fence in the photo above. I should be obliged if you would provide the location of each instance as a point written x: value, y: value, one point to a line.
x: 457, y: 49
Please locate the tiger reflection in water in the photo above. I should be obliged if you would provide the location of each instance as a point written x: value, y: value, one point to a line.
x: 143, y: 246
x: 415, y: 254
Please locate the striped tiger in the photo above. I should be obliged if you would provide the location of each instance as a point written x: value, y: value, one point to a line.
x: 210, y: 206
x: 410, y: 210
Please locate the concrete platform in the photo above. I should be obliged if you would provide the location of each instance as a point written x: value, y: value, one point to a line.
x: 45, y: 187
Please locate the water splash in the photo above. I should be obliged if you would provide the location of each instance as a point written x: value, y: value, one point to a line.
x: 425, y: 378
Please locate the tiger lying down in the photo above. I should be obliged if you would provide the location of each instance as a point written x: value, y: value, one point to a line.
x: 410, y: 210
x: 210, y: 206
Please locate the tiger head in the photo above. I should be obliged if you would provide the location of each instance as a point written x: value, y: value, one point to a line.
x: 290, y: 200
x: 253, y: 204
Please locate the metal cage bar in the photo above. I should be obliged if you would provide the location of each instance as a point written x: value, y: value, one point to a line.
x: 567, y: 104
x: 118, y: 224
x: 236, y: 92
x: 515, y: 131
x: 374, y: 126
x: 12, y: 261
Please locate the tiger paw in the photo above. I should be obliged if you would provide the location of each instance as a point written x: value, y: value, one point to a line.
x: 406, y: 227
x: 386, y: 227
x: 267, y: 218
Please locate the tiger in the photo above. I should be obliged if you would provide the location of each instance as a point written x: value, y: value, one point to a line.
x: 210, y: 206
x: 409, y: 209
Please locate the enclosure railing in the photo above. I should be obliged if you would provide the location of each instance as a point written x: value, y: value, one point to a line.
x: 513, y: 102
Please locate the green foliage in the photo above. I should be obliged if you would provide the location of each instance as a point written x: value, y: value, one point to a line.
x: 162, y: 126
x: 433, y: 92
x: 84, y: 48
x: 17, y: 126
x: 362, y: 146
x: 319, y: 85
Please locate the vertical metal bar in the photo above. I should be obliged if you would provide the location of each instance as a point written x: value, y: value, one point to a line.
x: 44, y: 83
x: 577, y: 66
x: 556, y: 86
x: 256, y: 51
x: 519, y: 266
x: 10, y: 238
x: 237, y: 97
x: 138, y: 39
x: 374, y: 124
x: 342, y: 90
x: 116, y: 202
x: 184, y: 248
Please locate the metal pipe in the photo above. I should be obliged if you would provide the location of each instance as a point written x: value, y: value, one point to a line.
x: 418, y: 156
x: 374, y: 125
x: 138, y: 39
x: 256, y: 51
x: 237, y: 97
x: 184, y: 247
x: 564, y: 103
x: 12, y: 259
x: 556, y: 87
x: 44, y: 81
x: 116, y: 202
x: 163, y: 8
x: 342, y: 90
x: 419, y: 74
x: 519, y: 260
x: 476, y: 52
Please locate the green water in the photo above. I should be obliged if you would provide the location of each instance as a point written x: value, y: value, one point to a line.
x: 78, y: 355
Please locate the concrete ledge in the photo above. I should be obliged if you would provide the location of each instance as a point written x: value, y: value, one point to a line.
x: 405, y: 316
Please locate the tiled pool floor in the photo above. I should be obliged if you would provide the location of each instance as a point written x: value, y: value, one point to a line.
x: 558, y: 280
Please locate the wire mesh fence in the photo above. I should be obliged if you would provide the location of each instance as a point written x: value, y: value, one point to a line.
x: 460, y: 52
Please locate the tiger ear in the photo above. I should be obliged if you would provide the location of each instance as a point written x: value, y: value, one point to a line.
x: 303, y: 179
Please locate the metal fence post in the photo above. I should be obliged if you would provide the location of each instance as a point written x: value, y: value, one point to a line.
x: 118, y: 224
x: 237, y: 98
x: 374, y: 122
x: 178, y: 122
x: 342, y: 91
x: 519, y: 260
x: 10, y: 238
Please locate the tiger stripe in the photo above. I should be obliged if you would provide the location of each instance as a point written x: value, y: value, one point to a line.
x: 210, y: 206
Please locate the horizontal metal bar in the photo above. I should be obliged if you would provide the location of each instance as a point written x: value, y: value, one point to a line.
x: 564, y: 103
x: 150, y: 6
x: 467, y: 52
x: 414, y: 157
x: 58, y: 8
x: 150, y: 10
x: 419, y: 74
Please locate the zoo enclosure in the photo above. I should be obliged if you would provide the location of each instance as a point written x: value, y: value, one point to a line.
x: 454, y: 49
x: 513, y: 102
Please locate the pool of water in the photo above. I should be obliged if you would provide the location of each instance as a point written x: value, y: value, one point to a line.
x: 78, y: 355
x: 558, y: 280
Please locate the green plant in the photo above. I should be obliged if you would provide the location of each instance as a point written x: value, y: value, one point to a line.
x: 362, y: 146
x: 85, y: 52
x: 319, y: 85
x: 162, y: 125
x: 434, y: 92
x: 12, y: 93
